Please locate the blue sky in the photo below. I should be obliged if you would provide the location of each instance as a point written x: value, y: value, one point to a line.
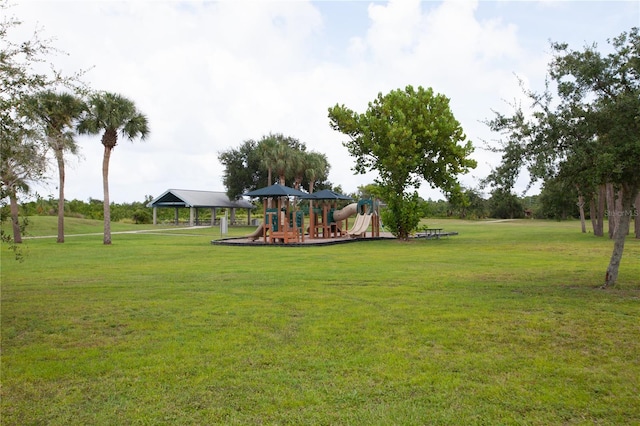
x: 210, y: 75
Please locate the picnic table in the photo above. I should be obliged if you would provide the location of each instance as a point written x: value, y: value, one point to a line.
x: 430, y: 233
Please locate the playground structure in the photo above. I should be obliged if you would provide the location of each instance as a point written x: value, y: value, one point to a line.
x: 280, y: 226
x: 286, y: 223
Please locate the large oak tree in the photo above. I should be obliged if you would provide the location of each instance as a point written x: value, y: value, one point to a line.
x: 588, y: 134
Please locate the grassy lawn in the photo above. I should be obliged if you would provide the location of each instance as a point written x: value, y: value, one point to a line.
x: 502, y: 324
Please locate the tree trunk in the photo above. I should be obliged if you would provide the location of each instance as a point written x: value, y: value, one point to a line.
x: 105, y: 187
x: 601, y: 198
x: 621, y: 231
x: 620, y: 210
x: 311, y: 201
x: 60, y: 160
x: 637, y: 216
x: 582, y: 219
x: 269, y: 202
x: 612, y: 217
x: 594, y: 215
x: 15, y: 221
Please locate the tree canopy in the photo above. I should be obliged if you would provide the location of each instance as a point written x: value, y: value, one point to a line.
x: 255, y: 164
x: 408, y: 136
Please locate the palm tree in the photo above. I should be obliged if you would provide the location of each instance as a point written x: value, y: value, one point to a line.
x: 58, y: 112
x: 112, y: 114
x: 317, y: 168
x: 299, y: 165
x: 283, y: 164
x: 267, y: 149
x: 276, y: 154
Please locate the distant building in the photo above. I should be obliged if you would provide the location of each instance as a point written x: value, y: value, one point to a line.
x: 195, y: 200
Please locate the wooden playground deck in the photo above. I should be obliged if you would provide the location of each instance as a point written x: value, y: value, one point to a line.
x: 307, y: 241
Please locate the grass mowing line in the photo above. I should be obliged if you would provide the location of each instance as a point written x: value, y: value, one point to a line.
x: 500, y: 324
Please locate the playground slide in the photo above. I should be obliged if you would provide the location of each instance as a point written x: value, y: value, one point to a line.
x: 345, y: 212
x: 360, y: 226
x: 259, y: 232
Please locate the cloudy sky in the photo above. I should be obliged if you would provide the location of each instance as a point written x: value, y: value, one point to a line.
x: 212, y: 74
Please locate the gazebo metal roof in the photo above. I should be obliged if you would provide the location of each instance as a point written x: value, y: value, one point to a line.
x: 197, y: 199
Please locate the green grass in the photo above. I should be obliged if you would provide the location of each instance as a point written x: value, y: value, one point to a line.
x: 502, y: 324
x: 48, y: 226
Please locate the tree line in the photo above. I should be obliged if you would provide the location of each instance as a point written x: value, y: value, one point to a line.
x: 549, y: 204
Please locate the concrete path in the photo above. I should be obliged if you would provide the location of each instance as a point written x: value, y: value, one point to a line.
x: 142, y: 231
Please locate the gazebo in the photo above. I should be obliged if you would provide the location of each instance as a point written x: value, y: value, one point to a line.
x: 194, y: 200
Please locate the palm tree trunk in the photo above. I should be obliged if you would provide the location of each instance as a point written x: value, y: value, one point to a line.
x: 60, y: 160
x: 626, y: 195
x: 15, y: 221
x: 105, y: 187
x: 312, y: 219
x: 269, y: 202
